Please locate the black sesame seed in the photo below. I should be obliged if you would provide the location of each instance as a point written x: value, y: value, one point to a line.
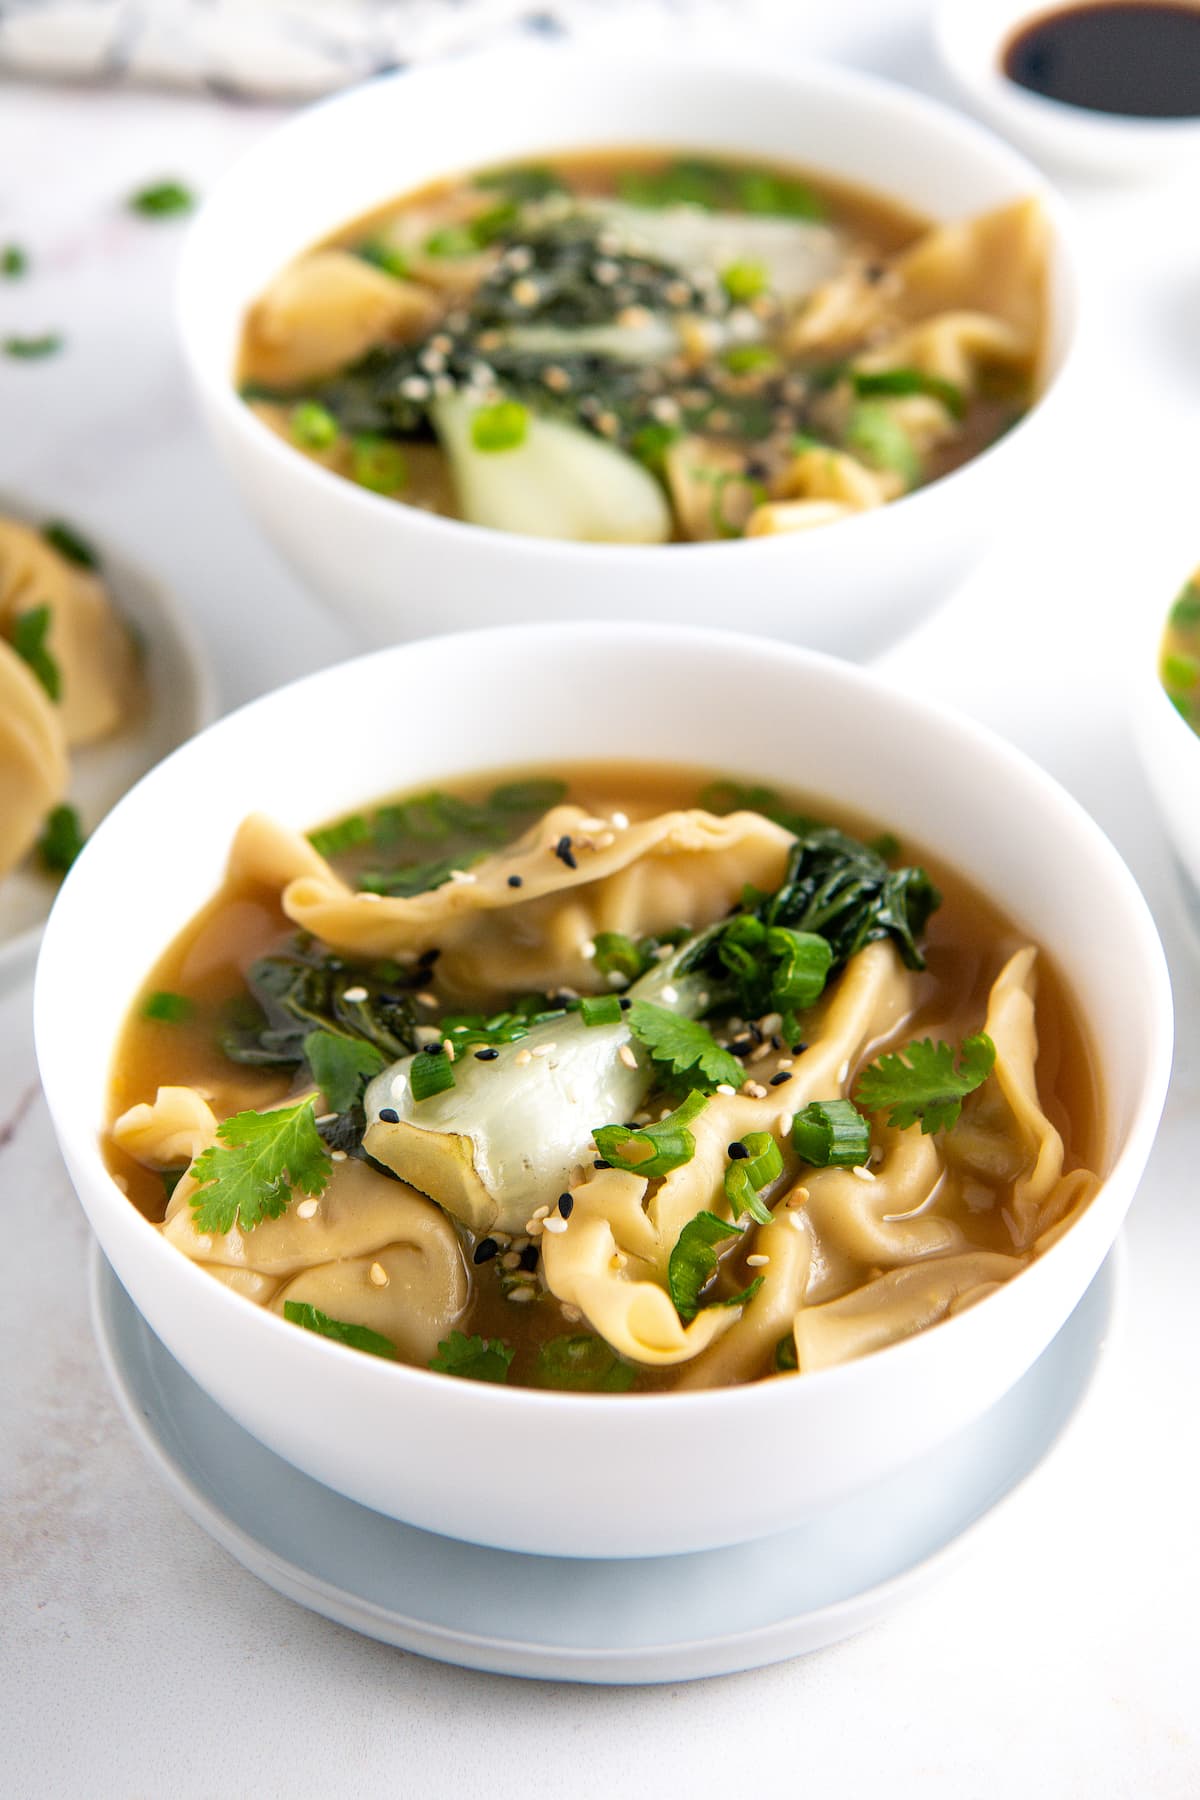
x: 600, y: 1163
x: 564, y: 852
x: 515, y: 881
x: 777, y: 1042
x: 799, y: 1049
x: 487, y: 1055
x: 434, y: 1049
x: 566, y: 1205
x: 485, y: 1249
x: 529, y: 1258
x: 625, y: 1003
x: 427, y: 958
x: 778, y: 1080
x: 741, y: 1046
x: 756, y: 1034
x: 738, y: 1152
x: 389, y: 1115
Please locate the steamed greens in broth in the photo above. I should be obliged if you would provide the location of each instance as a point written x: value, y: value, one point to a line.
x: 1179, y: 656
x: 630, y: 348
x: 576, y: 1083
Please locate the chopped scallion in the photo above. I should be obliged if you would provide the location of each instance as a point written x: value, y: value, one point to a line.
x: 831, y: 1134
x: 378, y: 464
x: 162, y: 200
x: 432, y: 1073
x: 601, y: 1009
x: 313, y: 426
x: 652, y: 1150
x: 168, y: 1008
x: 744, y: 281
x: 746, y: 1178
x: 500, y: 427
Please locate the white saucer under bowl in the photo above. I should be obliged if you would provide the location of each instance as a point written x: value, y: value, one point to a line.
x: 670, y: 1618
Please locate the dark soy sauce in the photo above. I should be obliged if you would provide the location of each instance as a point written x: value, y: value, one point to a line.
x: 1136, y: 57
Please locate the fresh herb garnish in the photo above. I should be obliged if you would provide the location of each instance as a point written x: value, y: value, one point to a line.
x: 313, y: 426
x: 28, y: 639
x: 356, y: 1337
x: 14, y: 262
x: 431, y: 1073
x: 500, y: 427
x: 303, y: 989
x: 748, y: 1176
x: 167, y: 1008
x: 251, y: 1173
x: 529, y: 182
x: 874, y: 433
x: 771, y: 967
x: 342, y: 835
x: 473, y: 1358
x: 378, y: 463
x: 162, y: 200
x: 651, y: 442
x: 684, y: 1050
x: 750, y: 359
x: 1186, y: 610
x: 70, y: 543
x: 582, y: 1364
x: 617, y: 954
x: 62, y: 839
x: 870, y: 382
x: 341, y: 1067
x: 925, y: 1083
x: 538, y: 794
x: 744, y: 281
x: 1180, y: 671
x: 831, y: 1134
x: 33, y: 349
x: 786, y: 1360
x: 652, y: 1150
x: 412, y: 878
x: 694, y: 1263
x: 600, y: 1009
x: 385, y: 256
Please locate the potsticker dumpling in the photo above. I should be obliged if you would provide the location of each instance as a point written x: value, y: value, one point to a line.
x: 523, y: 917
x: 33, y: 758
x: 88, y: 642
x: 324, y: 311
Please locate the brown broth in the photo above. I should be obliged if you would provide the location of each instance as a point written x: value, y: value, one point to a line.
x: 967, y: 942
x: 1136, y: 58
x: 876, y: 228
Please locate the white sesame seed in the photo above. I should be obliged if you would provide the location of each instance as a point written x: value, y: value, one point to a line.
x: 617, y: 979
x: 378, y: 1274
x: 355, y: 995
x: 587, y: 950
x: 376, y: 898
x: 787, y: 1062
x: 754, y: 1090
x: 522, y: 1057
x: 770, y: 1024
x: 426, y: 999
x: 670, y: 995
x: 723, y: 1087
x: 541, y: 1212
x: 326, y: 1118
x: 462, y: 876
x: 204, y: 1242
x: 522, y: 1294
x: 555, y: 1225
x: 757, y: 1262
x: 571, y: 1313
x: 415, y: 387
x: 592, y: 824
x: 510, y: 1260
x: 543, y: 1049
x: 784, y: 1123
x: 863, y: 1173
x: 449, y: 1049
x: 605, y: 841
x: 307, y: 1209
x: 627, y: 1057
x: 525, y: 293
x: 338, y: 1156
x: 621, y: 821
x: 533, y: 1228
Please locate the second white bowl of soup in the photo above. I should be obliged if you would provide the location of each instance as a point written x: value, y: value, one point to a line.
x: 530, y: 336
x: 675, y: 1223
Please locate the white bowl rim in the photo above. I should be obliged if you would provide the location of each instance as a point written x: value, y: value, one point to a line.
x: 856, y: 86
x: 766, y: 1393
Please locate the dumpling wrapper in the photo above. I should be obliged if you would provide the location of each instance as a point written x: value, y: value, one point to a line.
x: 895, y: 1306
x: 325, y: 311
x: 88, y: 641
x: 33, y: 758
x: 678, y: 867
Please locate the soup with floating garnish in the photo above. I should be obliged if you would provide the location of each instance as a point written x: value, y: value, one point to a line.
x: 641, y: 348
x: 605, y: 1079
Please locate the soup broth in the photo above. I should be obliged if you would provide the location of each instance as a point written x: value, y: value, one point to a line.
x: 543, y: 1279
x: 635, y: 347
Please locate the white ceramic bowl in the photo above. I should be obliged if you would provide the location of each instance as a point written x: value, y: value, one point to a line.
x: 598, y: 1475
x: 392, y: 571
x: 971, y: 38
x: 1168, y: 747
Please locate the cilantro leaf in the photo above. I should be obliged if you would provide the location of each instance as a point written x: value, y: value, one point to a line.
x: 28, y: 639
x: 924, y: 1083
x: 162, y: 200
x: 473, y: 1358
x: 341, y: 1066
x: 62, y: 839
x: 70, y: 543
x: 683, y: 1048
x: 250, y: 1174
x: 652, y: 1150
x: 582, y: 1364
x: 357, y: 1337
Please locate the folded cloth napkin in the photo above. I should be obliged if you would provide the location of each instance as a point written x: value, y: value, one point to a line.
x: 292, y: 49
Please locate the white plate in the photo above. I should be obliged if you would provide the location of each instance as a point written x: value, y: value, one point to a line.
x: 663, y: 1619
x: 181, y: 698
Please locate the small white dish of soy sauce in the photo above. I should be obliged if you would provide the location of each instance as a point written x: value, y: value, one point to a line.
x: 1106, y: 87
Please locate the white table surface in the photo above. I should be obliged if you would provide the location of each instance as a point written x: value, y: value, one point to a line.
x: 136, y: 1659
